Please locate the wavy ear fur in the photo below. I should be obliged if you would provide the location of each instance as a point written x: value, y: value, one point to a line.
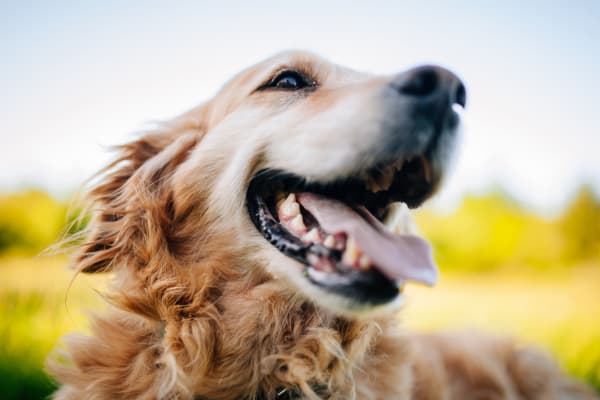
x: 133, y: 199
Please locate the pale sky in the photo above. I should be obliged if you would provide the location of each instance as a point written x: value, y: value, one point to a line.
x: 80, y: 76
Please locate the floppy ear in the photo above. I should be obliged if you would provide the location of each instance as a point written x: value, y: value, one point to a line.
x: 132, y: 203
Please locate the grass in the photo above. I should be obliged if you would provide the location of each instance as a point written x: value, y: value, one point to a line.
x: 35, y: 311
x: 559, y: 311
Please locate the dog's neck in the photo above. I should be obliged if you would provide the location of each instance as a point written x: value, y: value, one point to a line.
x: 187, y: 328
x: 248, y: 327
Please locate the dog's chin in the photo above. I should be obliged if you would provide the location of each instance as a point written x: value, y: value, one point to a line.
x: 329, y: 239
x: 293, y: 273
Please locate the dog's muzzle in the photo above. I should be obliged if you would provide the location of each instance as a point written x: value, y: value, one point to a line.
x: 334, y: 228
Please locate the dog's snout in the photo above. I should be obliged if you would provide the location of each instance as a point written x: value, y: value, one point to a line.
x: 429, y: 84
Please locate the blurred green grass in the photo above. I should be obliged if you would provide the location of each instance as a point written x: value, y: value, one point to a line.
x: 36, y: 310
x: 557, y: 311
x: 505, y: 270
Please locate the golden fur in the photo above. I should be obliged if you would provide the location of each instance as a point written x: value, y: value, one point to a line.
x: 202, y: 307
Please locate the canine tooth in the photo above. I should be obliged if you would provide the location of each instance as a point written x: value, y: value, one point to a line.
x: 313, y: 236
x: 297, y: 225
x: 352, y: 253
x: 387, y: 178
x: 382, y: 181
x: 364, y: 262
x: 370, y: 184
x: 329, y: 241
x: 280, y: 197
x: 399, y: 164
x: 375, y: 184
x: 289, y: 208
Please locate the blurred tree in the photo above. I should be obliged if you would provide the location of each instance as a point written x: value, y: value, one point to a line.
x: 580, y: 223
x: 490, y: 232
x: 482, y: 234
x: 30, y: 221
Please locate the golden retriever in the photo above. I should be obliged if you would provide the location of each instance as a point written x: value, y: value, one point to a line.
x: 260, y: 245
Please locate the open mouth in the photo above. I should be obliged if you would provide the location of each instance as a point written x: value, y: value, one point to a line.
x: 336, y: 230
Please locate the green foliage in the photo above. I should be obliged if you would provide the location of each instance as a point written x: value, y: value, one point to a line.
x: 21, y: 364
x: 30, y: 221
x: 581, y: 223
x: 490, y: 232
x: 36, y: 309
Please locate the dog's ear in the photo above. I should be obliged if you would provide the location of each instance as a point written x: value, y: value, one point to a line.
x: 132, y: 203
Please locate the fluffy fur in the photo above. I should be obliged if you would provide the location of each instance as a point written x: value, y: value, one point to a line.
x: 202, y: 307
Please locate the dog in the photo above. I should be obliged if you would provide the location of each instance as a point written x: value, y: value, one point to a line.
x: 259, y: 247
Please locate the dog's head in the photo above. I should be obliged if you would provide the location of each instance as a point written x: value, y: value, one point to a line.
x: 292, y: 169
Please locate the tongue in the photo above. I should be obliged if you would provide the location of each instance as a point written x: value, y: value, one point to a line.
x: 399, y: 257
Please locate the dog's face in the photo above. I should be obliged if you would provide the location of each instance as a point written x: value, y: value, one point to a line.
x: 300, y: 162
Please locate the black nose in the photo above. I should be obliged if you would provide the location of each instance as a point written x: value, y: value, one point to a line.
x: 431, y: 84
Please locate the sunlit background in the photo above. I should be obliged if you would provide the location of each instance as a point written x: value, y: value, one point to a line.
x: 516, y: 228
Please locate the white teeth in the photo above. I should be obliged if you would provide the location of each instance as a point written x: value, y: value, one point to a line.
x: 297, y: 225
x: 289, y: 208
x: 364, y: 262
x: 352, y: 253
x: 371, y: 184
x: 313, y: 236
x: 398, y: 164
x: 375, y: 185
x: 383, y: 180
x: 280, y: 197
x: 387, y: 178
x: 353, y: 256
x: 329, y: 242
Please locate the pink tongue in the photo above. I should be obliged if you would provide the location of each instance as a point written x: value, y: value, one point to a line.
x: 399, y: 257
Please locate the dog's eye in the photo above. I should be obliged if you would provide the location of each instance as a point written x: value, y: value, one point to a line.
x: 289, y: 80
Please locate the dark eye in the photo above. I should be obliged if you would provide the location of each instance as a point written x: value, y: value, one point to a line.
x: 289, y: 80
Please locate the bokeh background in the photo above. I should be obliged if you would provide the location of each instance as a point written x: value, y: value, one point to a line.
x: 516, y: 229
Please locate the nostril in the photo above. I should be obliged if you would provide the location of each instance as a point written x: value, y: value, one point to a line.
x: 460, y: 97
x: 422, y: 83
